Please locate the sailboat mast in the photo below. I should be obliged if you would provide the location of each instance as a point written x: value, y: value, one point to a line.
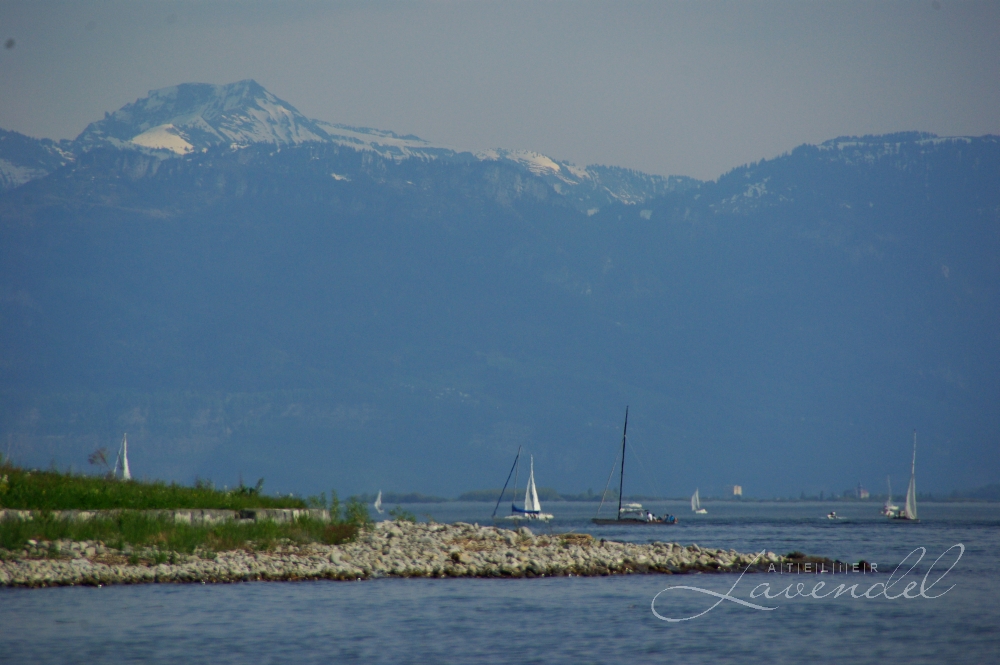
x: 911, y: 491
x: 621, y: 479
x: 513, y: 466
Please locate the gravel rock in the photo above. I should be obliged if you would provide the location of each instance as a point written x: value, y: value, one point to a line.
x: 389, y: 549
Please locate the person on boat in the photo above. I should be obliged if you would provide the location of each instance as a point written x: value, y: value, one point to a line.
x: 649, y: 516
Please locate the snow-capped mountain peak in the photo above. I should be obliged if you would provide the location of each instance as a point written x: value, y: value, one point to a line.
x: 196, y: 116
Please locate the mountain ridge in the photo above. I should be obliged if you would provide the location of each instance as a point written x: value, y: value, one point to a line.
x: 195, y: 117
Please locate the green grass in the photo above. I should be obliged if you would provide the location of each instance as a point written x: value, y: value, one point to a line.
x: 47, y: 491
x: 51, y: 490
x: 142, y: 530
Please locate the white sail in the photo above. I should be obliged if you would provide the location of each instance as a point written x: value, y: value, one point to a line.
x: 696, y: 504
x: 378, y: 503
x: 910, y: 510
x: 126, y: 472
x: 889, y: 508
x: 531, y: 494
x: 911, y: 500
x: 121, y: 462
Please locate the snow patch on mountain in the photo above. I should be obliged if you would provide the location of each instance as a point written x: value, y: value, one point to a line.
x: 870, y: 149
x: 594, y: 184
x: 385, y: 143
x: 14, y: 175
x: 164, y: 137
x: 535, y: 162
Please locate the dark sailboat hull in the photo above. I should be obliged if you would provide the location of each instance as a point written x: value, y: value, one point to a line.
x: 598, y: 520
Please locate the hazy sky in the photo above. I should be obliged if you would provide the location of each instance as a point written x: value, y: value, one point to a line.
x: 691, y: 88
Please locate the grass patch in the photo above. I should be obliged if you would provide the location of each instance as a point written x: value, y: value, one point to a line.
x: 51, y: 490
x: 132, y: 530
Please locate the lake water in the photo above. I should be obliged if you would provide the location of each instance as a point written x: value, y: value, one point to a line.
x: 557, y: 620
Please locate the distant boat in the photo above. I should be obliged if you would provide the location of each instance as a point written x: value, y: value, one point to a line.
x: 909, y: 511
x: 629, y: 513
x: 532, y: 509
x: 696, y: 504
x: 378, y: 503
x: 121, y: 462
x: 889, y: 508
x: 832, y: 515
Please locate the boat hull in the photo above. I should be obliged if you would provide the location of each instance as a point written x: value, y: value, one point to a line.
x: 598, y: 520
x: 530, y: 516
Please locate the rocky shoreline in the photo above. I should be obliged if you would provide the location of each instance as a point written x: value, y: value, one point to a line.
x: 389, y: 549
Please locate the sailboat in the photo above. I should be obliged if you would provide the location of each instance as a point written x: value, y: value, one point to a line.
x: 696, y: 504
x: 121, y: 462
x: 532, y: 509
x: 629, y: 513
x: 909, y: 511
x: 889, y: 508
x: 378, y: 503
